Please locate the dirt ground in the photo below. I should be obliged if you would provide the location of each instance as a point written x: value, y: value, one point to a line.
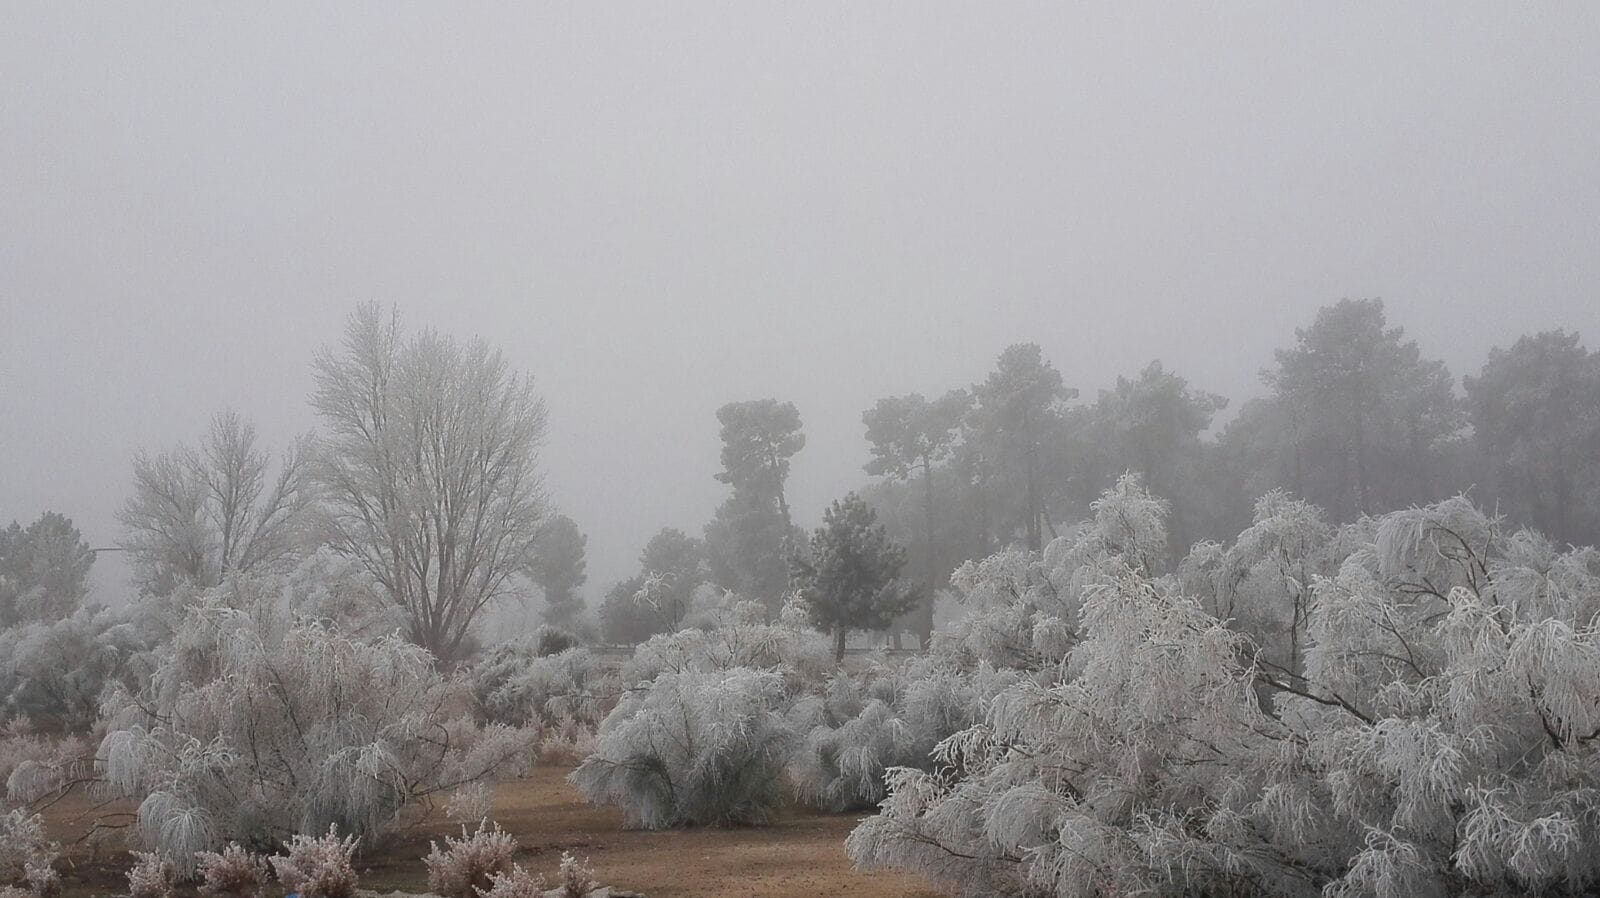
x: 800, y: 854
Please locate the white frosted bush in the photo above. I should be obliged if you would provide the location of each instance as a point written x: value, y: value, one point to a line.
x: 469, y: 803
x: 150, y: 876
x: 800, y: 654
x: 576, y: 878
x: 464, y: 867
x: 23, y: 845
x: 865, y: 724
x: 513, y: 685
x: 258, y: 725
x: 318, y: 866
x: 514, y: 883
x: 233, y: 872
x: 692, y: 748
x: 1437, y: 735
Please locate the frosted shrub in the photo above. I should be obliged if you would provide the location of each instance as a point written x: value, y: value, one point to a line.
x: 798, y: 653
x: 150, y: 876
x: 1043, y: 796
x: 258, y: 725
x: 43, y: 880
x: 56, y: 671
x: 23, y: 846
x: 514, y: 685
x: 692, y: 748
x: 469, y: 803
x: 318, y: 866
x: 864, y: 724
x: 514, y: 883
x: 232, y: 873
x: 1438, y: 740
x: 463, y: 867
x: 576, y: 879
x: 566, y: 741
x: 34, y: 767
x: 842, y: 768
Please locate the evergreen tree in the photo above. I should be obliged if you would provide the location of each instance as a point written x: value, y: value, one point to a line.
x: 850, y: 581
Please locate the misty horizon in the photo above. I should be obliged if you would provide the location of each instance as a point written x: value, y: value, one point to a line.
x: 654, y: 213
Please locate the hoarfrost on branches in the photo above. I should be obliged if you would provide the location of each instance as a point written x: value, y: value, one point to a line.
x: 259, y: 724
x: 692, y: 748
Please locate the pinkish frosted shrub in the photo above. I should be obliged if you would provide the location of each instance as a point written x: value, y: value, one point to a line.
x: 576, y: 877
x: 514, y: 883
x: 463, y: 867
x: 232, y: 873
x: 150, y: 876
x: 318, y: 866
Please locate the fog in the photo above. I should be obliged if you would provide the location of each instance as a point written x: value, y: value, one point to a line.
x: 659, y: 209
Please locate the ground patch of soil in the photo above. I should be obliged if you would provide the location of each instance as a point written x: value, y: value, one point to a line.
x: 800, y: 854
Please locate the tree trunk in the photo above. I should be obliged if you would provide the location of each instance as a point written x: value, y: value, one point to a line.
x: 839, y: 634
x: 931, y: 563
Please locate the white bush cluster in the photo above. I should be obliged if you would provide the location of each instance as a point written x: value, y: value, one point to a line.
x: 692, y: 748
x: 1403, y: 706
x: 259, y: 724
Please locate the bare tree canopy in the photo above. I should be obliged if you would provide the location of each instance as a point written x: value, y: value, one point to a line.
x: 431, y: 471
x: 200, y: 513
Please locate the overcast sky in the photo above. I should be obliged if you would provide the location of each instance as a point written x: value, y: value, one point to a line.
x: 658, y: 208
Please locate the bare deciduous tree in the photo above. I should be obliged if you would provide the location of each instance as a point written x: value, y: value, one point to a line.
x: 430, y: 470
x: 198, y: 514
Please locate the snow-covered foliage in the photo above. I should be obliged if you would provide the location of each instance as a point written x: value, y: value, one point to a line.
x: 575, y: 878
x: 259, y: 724
x: 888, y: 716
x: 26, y: 856
x: 692, y: 747
x: 150, y: 876
x: 470, y: 803
x: 515, y: 883
x: 33, y: 765
x: 466, y: 866
x: 1438, y: 737
x: 57, y: 671
x: 522, y: 683
x: 233, y: 872
x: 1261, y: 585
x: 318, y: 866
x: 1023, y: 610
x: 741, y: 640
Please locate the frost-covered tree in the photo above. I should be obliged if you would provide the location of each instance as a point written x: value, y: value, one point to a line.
x: 430, y: 471
x: 260, y: 723
x: 851, y: 578
x: 558, y: 568
x: 199, y: 513
x: 44, y: 570
x: 1262, y: 583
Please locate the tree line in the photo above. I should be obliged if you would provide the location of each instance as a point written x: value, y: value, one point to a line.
x: 1356, y: 420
